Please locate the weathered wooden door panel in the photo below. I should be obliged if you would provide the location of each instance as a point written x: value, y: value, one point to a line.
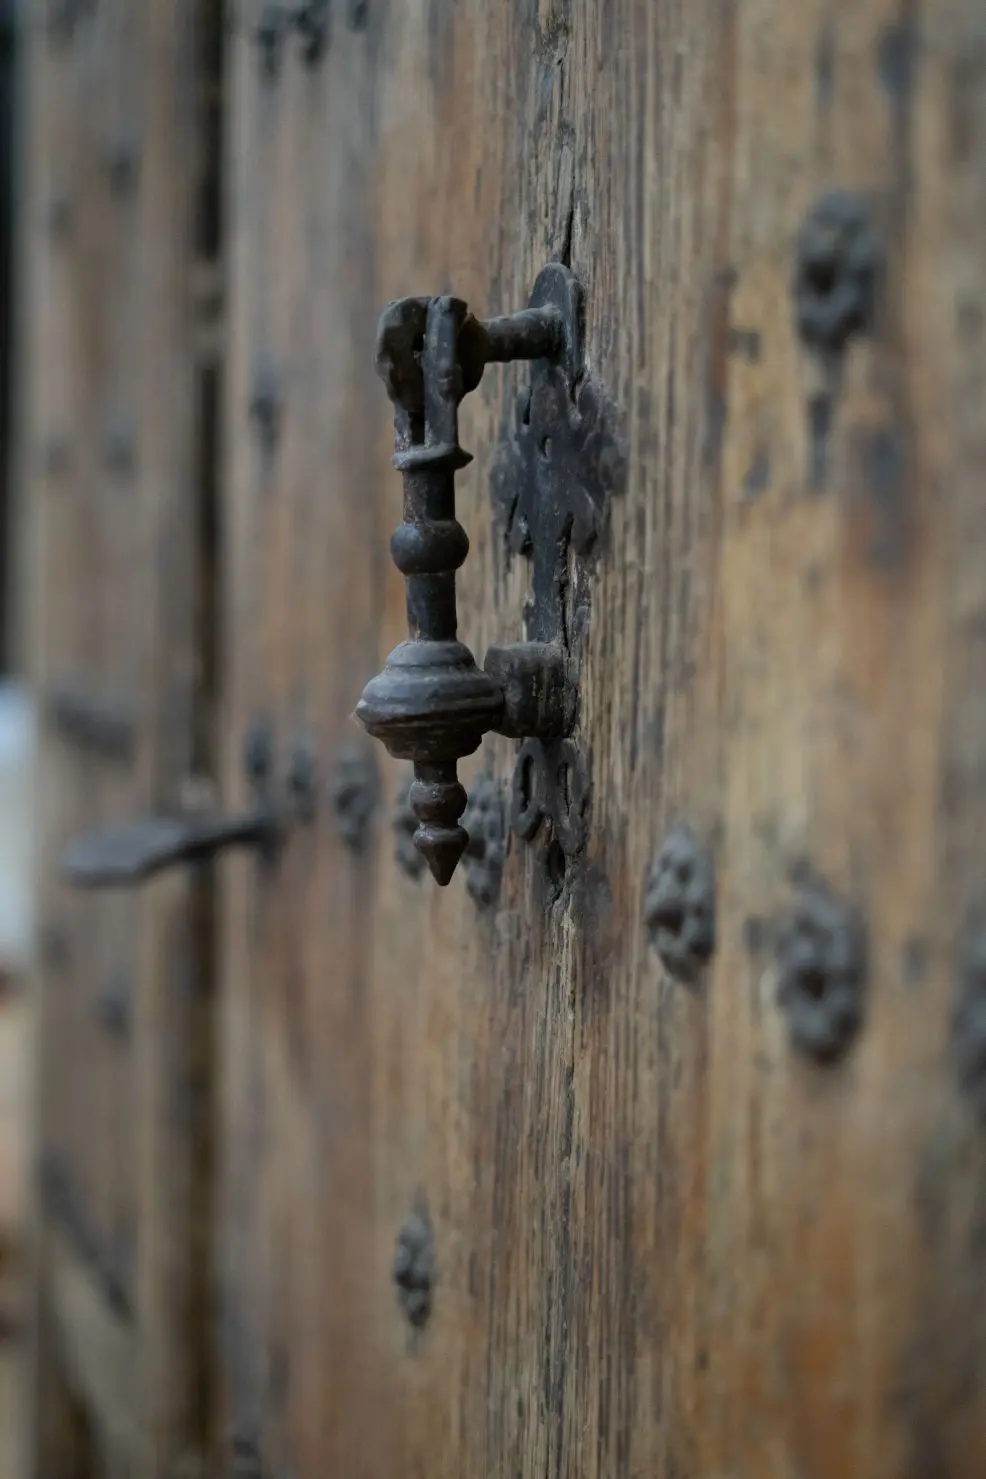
x: 109, y: 425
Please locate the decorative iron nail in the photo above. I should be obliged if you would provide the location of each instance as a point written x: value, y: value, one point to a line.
x: 114, y: 1005
x: 266, y: 408
x: 302, y: 780
x: 355, y: 790
x: 414, y: 1267
x: 271, y: 26
x: 485, y: 852
x: 432, y: 704
x: 969, y: 1019
x: 838, y: 261
x: 551, y: 782
x: 680, y: 904
x: 822, y: 959
x: 311, y: 19
x: 405, y: 824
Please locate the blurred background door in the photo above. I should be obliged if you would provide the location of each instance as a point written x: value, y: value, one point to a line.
x: 540, y: 1174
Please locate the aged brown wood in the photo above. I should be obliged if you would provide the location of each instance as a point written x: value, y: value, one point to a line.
x: 666, y: 1241
x: 498, y: 1193
x: 110, y: 430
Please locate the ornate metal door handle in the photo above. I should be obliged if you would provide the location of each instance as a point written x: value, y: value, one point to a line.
x: 432, y: 704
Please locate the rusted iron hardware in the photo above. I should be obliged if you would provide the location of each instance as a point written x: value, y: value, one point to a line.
x: 551, y: 784
x: 128, y: 854
x: 355, y: 791
x: 309, y: 19
x: 838, y: 257
x: 432, y: 704
x: 487, y: 846
x: 822, y: 958
x: 414, y: 1267
x: 680, y: 902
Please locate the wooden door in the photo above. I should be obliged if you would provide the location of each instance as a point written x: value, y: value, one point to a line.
x: 119, y: 212
x: 653, y: 1151
x: 714, y: 1227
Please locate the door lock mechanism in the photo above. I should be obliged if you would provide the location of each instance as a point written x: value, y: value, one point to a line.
x: 432, y: 704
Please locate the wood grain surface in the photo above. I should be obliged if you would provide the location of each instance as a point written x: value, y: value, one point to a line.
x: 108, y: 427
x: 667, y: 1242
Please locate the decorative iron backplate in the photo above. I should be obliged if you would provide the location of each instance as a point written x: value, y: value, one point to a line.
x: 552, y: 481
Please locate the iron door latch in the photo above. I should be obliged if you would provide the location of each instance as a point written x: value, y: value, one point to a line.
x: 129, y: 853
x: 432, y: 704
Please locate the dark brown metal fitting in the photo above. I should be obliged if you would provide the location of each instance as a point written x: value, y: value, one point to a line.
x: 270, y: 30
x: 354, y: 793
x: 822, y: 959
x: 486, y: 850
x: 122, y: 160
x: 539, y: 695
x: 405, y: 825
x: 837, y: 264
x: 551, y: 784
x: 414, y: 1267
x: 680, y: 903
x: 311, y: 20
x: 432, y: 704
x: 266, y: 406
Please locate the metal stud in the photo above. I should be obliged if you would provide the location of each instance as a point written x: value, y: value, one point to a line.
x: 680, y: 902
x: 822, y: 962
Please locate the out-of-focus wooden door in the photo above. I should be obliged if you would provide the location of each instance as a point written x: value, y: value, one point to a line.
x: 118, y: 206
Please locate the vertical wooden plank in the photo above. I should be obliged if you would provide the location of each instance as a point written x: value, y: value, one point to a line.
x: 110, y: 469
